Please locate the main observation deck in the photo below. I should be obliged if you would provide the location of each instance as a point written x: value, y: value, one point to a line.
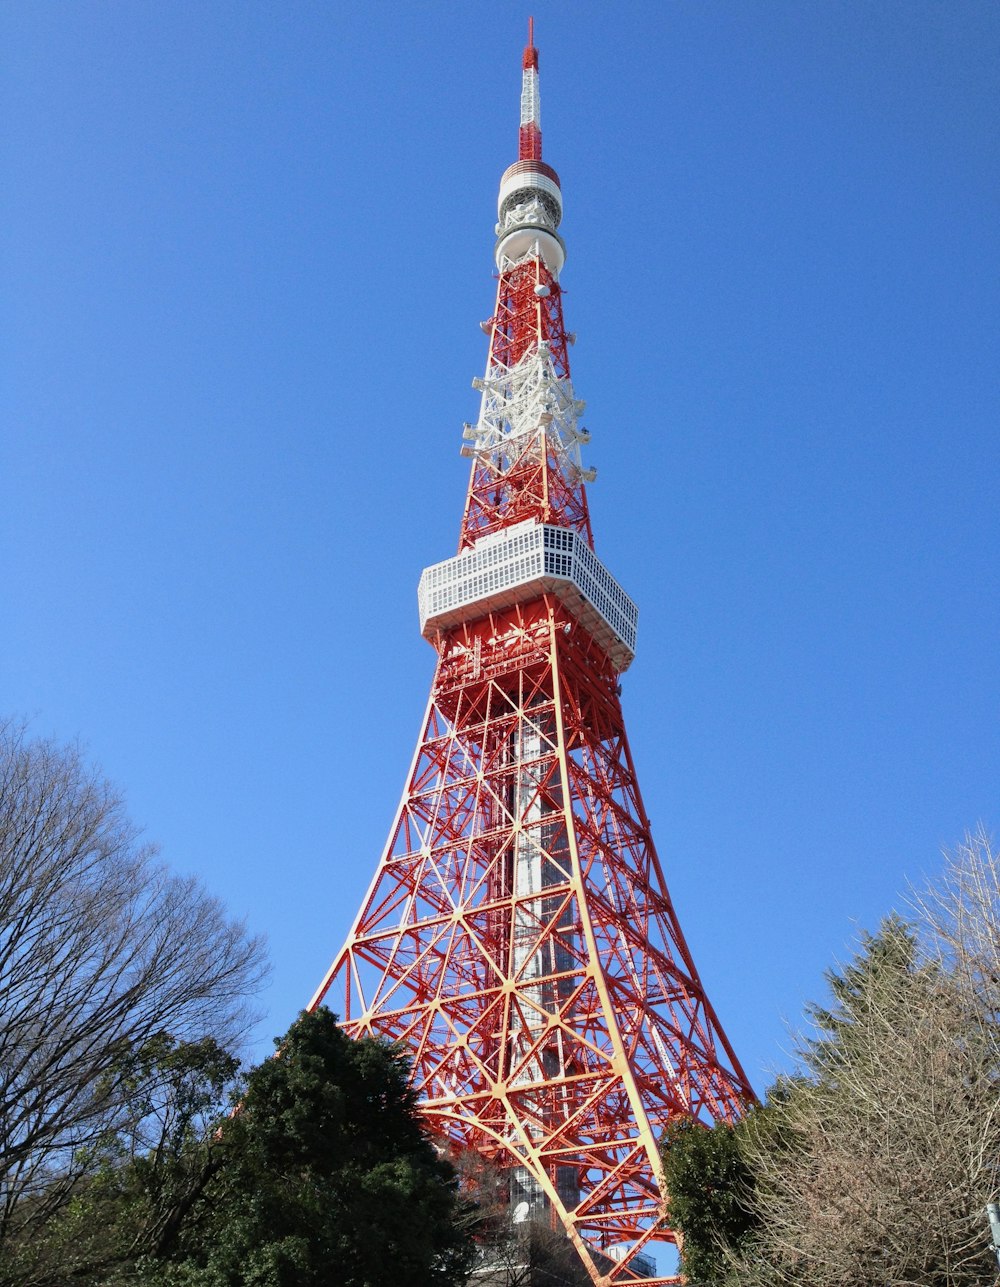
x: 524, y: 562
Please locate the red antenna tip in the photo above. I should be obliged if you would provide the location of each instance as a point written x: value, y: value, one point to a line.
x: 530, y: 52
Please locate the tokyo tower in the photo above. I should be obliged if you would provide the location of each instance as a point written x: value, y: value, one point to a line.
x: 518, y: 937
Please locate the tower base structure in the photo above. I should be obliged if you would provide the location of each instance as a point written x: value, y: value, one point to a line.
x: 519, y: 941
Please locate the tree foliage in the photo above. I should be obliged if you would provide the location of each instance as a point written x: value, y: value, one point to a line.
x: 327, y: 1176
x: 710, y: 1187
x: 880, y: 1184
x: 103, y: 954
x: 319, y: 1172
x: 141, y: 1187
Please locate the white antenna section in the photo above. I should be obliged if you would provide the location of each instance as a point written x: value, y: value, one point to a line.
x: 531, y: 99
x: 519, y: 404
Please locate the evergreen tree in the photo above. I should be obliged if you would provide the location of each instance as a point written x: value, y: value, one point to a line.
x: 710, y: 1186
x: 327, y: 1177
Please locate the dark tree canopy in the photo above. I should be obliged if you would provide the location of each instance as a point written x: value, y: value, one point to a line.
x: 328, y: 1177
x: 710, y: 1186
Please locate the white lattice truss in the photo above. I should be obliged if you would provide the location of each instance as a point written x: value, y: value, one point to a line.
x: 519, y: 404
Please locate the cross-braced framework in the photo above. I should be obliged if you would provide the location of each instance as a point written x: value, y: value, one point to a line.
x: 527, y: 439
x: 518, y: 937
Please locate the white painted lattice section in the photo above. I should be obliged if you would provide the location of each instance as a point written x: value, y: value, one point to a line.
x: 519, y: 564
x: 531, y: 99
x: 516, y: 404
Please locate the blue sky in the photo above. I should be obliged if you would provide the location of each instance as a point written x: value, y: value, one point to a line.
x: 246, y: 250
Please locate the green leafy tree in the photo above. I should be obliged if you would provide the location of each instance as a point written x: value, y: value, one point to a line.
x: 141, y: 1184
x: 326, y: 1177
x: 710, y: 1187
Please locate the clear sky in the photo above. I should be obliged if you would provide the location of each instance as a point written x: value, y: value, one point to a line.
x: 246, y: 250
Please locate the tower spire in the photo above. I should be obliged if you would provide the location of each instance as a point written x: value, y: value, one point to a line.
x: 518, y: 937
x: 526, y: 441
x: 530, y: 141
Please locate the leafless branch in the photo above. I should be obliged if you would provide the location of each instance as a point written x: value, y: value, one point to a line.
x: 101, y: 951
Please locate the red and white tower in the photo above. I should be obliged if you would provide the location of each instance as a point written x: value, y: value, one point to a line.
x: 518, y: 937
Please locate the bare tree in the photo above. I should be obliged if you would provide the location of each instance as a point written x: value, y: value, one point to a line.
x: 532, y: 1254
x: 102, y: 951
x: 961, y: 912
x: 872, y: 1165
x: 877, y: 1164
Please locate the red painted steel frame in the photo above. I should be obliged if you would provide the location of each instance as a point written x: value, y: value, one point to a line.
x: 583, y: 1065
x: 555, y: 1025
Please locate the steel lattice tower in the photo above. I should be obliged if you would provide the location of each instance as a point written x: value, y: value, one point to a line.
x: 518, y: 937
